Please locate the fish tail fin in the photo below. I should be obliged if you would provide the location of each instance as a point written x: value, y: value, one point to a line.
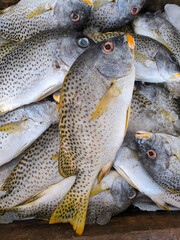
x: 73, y: 208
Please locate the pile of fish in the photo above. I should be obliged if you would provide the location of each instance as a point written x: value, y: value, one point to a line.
x: 80, y: 140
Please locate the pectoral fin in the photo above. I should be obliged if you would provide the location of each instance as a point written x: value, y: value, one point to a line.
x: 104, y: 171
x: 14, y: 127
x: 127, y: 120
x: 106, y: 102
x: 98, y: 189
x: 44, y: 7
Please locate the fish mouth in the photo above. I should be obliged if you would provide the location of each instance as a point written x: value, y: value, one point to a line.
x: 143, y: 134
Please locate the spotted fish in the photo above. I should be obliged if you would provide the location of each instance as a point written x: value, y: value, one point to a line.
x: 160, y: 156
x: 110, y: 198
x: 153, y: 61
x: 42, y: 62
x: 94, y: 108
x: 28, y: 18
x: 21, y: 127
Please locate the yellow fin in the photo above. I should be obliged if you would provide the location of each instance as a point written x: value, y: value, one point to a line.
x: 165, y: 206
x: 14, y: 127
x: 127, y: 120
x: 56, y: 97
x: 4, y: 43
x: 104, y: 171
x: 55, y: 157
x: 98, y: 189
x: 66, y: 165
x: 44, y: 7
x: 106, y: 101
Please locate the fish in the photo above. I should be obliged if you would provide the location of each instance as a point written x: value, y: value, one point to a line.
x: 26, y: 19
x: 36, y: 170
x: 42, y: 62
x: 7, y: 47
x: 128, y: 165
x: 94, y: 110
x: 21, y: 127
x: 153, y: 61
x: 111, y: 197
x: 160, y: 155
x: 152, y: 108
x: 109, y: 16
x: 158, y: 28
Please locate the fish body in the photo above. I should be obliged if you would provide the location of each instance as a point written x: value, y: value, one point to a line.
x: 158, y: 28
x: 152, y: 110
x: 7, y: 47
x: 21, y: 127
x: 113, y: 15
x: 160, y: 156
x: 36, y: 170
x: 42, y: 62
x: 94, y: 108
x: 128, y: 165
x: 115, y: 195
x: 27, y: 18
x: 152, y: 59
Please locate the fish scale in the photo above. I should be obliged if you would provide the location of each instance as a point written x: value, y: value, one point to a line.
x: 85, y: 137
x: 37, y: 68
x: 37, y: 169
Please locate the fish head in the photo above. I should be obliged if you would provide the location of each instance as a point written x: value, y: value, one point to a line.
x: 72, y: 14
x: 115, y: 57
x: 154, y: 151
x: 167, y: 65
x: 122, y: 192
x: 129, y: 9
x: 73, y: 45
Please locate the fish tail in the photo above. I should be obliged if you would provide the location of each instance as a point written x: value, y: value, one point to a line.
x: 73, y: 208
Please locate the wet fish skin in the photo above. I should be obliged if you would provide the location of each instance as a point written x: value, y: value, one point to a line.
x: 128, y: 165
x: 37, y: 169
x: 21, y: 127
x: 90, y: 119
x: 18, y: 23
x: 152, y: 60
x: 7, y: 47
x: 42, y: 62
x: 116, y: 196
x: 113, y: 15
x: 164, y: 164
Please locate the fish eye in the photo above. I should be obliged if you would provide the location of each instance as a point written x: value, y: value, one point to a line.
x: 134, y: 10
x: 108, y: 47
x: 75, y: 16
x: 132, y: 194
x: 173, y: 59
x: 83, y: 42
x: 151, y: 154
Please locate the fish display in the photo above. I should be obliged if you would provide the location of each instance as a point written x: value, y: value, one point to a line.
x: 112, y: 15
x: 92, y: 117
x: 160, y: 156
x: 110, y: 198
x: 28, y: 18
x: 153, y: 61
x: 128, y: 165
x: 42, y: 75
x: 21, y: 127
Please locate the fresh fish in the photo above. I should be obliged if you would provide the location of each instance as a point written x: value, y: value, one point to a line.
x: 146, y: 204
x: 21, y: 127
x: 113, y: 15
x: 160, y: 156
x: 37, y: 170
x: 153, y: 109
x: 37, y: 68
x: 152, y: 60
x: 94, y: 110
x: 154, y: 26
x: 27, y: 18
x: 110, y: 198
x: 127, y: 164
